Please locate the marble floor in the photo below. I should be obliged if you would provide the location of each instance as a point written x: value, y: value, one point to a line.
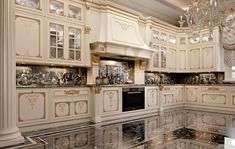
x: 169, y: 129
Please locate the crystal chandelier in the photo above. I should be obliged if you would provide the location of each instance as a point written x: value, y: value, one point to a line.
x: 201, y: 14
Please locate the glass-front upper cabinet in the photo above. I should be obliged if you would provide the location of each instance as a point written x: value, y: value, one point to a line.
x: 56, y: 41
x: 74, y: 44
x: 163, y: 57
x: 156, y: 57
x: 206, y: 37
x: 63, y: 8
x: 56, y: 7
x: 182, y: 40
x: 33, y: 4
x: 194, y: 39
x: 172, y: 39
x: 163, y: 37
x: 156, y: 36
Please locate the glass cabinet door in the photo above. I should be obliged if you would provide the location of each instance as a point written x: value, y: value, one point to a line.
x: 56, y: 41
x: 74, y: 44
x: 155, y: 36
x: 34, y: 4
x: 156, y: 57
x: 74, y: 12
x: 172, y: 39
x: 163, y: 57
x: 56, y: 7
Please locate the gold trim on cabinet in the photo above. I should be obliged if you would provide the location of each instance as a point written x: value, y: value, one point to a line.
x: 69, y: 111
x: 110, y: 98
x: 21, y: 94
x: 97, y: 90
x: 71, y: 92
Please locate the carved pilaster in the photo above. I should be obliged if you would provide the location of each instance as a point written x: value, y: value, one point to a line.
x: 9, y: 132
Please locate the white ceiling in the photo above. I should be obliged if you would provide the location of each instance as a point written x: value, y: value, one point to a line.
x: 166, y: 10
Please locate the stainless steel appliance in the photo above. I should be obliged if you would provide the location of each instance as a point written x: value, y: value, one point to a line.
x: 132, y: 98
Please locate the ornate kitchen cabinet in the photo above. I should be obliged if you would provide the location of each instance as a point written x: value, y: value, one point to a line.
x: 151, y: 97
x: 216, y: 96
x: 165, y: 45
x: 192, y: 94
x: 29, y: 34
x: 70, y: 103
x: 32, y: 106
x: 111, y: 100
x: 30, y: 6
x: 171, y: 96
x: 69, y: 10
x: 66, y: 43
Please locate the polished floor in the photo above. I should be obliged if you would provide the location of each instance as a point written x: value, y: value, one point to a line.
x: 169, y: 129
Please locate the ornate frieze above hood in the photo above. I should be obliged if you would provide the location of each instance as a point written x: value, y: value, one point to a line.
x: 120, y: 37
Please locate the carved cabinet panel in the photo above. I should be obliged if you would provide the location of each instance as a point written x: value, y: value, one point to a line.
x: 29, y: 38
x: 191, y: 94
x: 207, y: 58
x: 111, y: 137
x: 214, y: 96
x: 111, y: 100
x: 182, y: 61
x: 70, y: 103
x: 32, y: 106
x: 151, y: 97
x: 194, y: 58
x: 172, y: 59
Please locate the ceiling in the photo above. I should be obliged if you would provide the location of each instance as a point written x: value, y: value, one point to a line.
x: 166, y: 10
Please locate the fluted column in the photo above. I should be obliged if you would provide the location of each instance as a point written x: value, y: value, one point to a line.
x: 9, y: 132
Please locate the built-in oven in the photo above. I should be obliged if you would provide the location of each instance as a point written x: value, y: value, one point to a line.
x: 132, y: 98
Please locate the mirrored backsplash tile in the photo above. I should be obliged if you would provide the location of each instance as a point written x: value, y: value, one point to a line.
x: 152, y: 78
x: 39, y: 76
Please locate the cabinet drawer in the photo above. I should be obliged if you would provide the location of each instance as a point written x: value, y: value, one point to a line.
x: 69, y: 92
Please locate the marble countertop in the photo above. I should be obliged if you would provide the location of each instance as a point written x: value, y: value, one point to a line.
x: 119, y: 85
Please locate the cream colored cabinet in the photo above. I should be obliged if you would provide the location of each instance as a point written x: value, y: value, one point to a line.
x: 159, y: 58
x: 215, y: 96
x: 151, y: 97
x: 70, y: 103
x: 192, y: 94
x: 182, y: 59
x: 33, y: 6
x: 32, y: 106
x: 172, y: 59
x: 111, y: 99
x: 194, y: 59
x: 29, y: 33
x: 69, y: 10
x: 207, y: 58
x: 171, y: 96
x: 65, y: 43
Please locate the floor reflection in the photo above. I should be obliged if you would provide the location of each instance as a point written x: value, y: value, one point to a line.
x: 170, y: 129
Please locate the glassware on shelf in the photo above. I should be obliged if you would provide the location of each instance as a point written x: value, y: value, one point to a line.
x: 56, y: 7
x: 163, y: 57
x: 74, y: 43
x: 74, y: 12
x: 195, y: 38
x: 56, y: 41
x: 156, y: 35
x: 35, y: 4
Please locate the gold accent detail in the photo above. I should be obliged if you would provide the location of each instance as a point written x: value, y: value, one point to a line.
x: 97, y: 90
x: 161, y: 87
x: 71, y: 92
x: 150, y: 44
x: 21, y: 94
x: 213, y: 88
x: 142, y: 64
x: 110, y: 95
x: 62, y: 106
x: 82, y: 104
x: 95, y: 59
x: 87, y: 30
x: 102, y: 49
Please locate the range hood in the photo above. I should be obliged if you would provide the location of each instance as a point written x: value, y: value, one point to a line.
x: 119, y: 37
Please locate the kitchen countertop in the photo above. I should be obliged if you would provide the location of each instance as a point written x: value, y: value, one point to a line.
x: 119, y: 85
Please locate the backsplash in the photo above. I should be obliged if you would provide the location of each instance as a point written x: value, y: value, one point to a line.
x: 35, y: 76
x: 115, y: 72
x: 152, y: 78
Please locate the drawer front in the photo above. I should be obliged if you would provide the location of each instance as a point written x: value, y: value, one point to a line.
x: 69, y: 92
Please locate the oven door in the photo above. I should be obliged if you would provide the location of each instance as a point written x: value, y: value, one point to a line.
x: 132, y: 99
